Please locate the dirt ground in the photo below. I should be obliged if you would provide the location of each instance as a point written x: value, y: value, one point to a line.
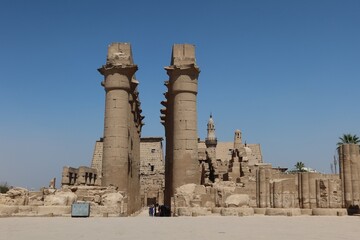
x: 212, y: 227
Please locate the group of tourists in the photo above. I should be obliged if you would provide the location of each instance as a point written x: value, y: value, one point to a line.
x: 159, y: 210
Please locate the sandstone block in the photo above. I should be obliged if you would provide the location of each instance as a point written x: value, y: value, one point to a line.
x: 195, y: 203
x: 27, y: 210
x: 329, y: 212
x: 8, y: 210
x: 200, y: 189
x: 209, y: 204
x: 199, y: 211
x: 187, y: 189
x: 306, y: 211
x: 237, y: 200
x: 283, y: 212
x: 19, y: 200
x: 182, y: 201
x: 112, y: 199
x: 36, y: 202
x: 36, y: 198
x: 216, y: 210
x: 245, y: 212
x: 184, y: 211
x: 229, y: 212
x: 60, y: 199
x: 15, y: 196
x: 54, y: 210
x: 261, y: 211
x: 14, y: 192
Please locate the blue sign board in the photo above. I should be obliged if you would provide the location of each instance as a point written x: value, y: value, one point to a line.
x: 80, y: 210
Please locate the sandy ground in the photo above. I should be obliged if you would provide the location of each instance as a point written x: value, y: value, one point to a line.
x: 212, y: 227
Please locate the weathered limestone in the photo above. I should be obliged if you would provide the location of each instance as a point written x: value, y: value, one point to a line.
x: 60, y: 199
x: 180, y: 119
x: 237, y: 200
x: 57, y: 202
x: 122, y: 124
x: 15, y: 197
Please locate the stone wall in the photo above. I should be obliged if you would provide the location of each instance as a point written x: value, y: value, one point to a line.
x: 152, y: 171
x: 96, y: 161
x: 57, y: 202
x: 79, y: 176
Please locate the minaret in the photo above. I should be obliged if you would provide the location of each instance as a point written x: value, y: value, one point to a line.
x: 237, y: 139
x: 210, y: 140
x: 122, y: 123
x: 180, y: 120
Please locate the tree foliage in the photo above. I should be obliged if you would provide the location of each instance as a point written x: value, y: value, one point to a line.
x: 299, y: 167
x: 4, y: 187
x: 348, y: 138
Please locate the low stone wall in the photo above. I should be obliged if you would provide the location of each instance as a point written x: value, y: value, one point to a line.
x: 191, y: 200
x: 233, y: 211
x: 57, y: 202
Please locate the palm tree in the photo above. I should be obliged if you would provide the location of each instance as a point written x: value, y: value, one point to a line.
x: 299, y: 166
x: 348, y: 138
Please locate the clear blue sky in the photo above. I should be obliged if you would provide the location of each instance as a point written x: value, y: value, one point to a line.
x: 287, y: 73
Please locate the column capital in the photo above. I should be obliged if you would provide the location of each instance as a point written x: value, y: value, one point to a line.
x: 108, y: 69
x: 118, y: 77
x: 183, y: 69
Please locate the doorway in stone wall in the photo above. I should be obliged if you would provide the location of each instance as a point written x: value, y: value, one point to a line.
x: 151, y: 201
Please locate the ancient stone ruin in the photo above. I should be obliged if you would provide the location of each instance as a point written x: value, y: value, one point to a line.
x: 196, y: 177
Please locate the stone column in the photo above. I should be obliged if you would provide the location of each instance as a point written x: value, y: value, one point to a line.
x: 354, y: 157
x: 166, y: 120
x: 312, y: 189
x: 345, y: 161
x: 118, y: 73
x: 305, y: 190
x: 341, y: 173
x: 183, y: 73
x: 263, y: 187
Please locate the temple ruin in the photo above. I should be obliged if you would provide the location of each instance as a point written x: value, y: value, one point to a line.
x: 196, y: 177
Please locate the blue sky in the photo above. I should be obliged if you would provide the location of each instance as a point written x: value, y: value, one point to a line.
x: 287, y: 73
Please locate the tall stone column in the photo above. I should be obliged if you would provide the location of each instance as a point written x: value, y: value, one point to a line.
x: 263, y: 186
x: 181, y: 119
x: 344, y: 155
x: 118, y: 73
x: 354, y: 163
x: 305, y: 190
x: 349, y: 172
